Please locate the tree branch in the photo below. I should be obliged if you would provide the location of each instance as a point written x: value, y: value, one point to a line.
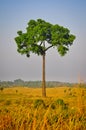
x: 40, y: 43
x: 48, y: 47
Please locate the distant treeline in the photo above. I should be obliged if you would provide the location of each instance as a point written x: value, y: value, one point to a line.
x: 19, y: 82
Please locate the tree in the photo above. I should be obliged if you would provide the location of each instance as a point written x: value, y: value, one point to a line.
x: 38, y: 34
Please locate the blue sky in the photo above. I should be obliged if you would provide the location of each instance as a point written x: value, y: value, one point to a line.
x: 14, y: 16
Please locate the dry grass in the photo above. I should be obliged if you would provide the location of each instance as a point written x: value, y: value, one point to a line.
x: 23, y: 108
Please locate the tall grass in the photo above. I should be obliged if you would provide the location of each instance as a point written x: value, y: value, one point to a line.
x: 27, y: 110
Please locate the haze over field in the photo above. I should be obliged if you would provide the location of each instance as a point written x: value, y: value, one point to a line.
x: 14, y: 16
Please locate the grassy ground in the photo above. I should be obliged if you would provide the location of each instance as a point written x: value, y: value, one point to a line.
x: 23, y: 108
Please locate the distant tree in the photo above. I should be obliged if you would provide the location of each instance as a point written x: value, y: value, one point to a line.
x: 38, y: 35
x: 19, y: 82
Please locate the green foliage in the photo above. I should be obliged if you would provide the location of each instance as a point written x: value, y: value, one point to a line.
x: 39, y: 33
x: 38, y: 103
x: 53, y: 106
x: 59, y: 103
x: 19, y: 82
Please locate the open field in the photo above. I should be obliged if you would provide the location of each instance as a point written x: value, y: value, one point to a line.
x: 23, y: 108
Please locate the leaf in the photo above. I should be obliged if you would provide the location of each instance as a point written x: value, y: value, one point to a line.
x: 40, y: 31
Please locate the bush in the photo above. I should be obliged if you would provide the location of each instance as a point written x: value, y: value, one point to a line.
x: 65, y: 91
x: 60, y: 102
x: 1, y: 88
x: 16, y: 91
x: 53, y: 106
x: 39, y: 102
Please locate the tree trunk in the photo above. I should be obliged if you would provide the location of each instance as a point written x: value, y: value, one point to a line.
x: 43, y: 77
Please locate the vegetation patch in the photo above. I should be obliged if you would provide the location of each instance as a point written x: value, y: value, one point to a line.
x: 22, y: 112
x: 39, y: 103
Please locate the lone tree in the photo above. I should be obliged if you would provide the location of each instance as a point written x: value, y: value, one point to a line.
x: 38, y: 34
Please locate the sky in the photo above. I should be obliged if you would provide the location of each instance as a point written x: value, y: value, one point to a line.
x: 14, y: 16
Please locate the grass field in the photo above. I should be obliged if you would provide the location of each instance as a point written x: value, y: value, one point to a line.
x: 23, y: 108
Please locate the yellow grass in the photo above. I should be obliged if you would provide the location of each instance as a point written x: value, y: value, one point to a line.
x: 23, y: 108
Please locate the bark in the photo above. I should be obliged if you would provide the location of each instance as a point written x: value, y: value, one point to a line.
x: 43, y: 77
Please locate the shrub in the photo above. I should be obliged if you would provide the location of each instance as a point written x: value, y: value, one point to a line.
x: 1, y: 88
x: 60, y: 102
x: 16, y: 91
x: 53, y: 105
x: 65, y: 91
x: 39, y: 102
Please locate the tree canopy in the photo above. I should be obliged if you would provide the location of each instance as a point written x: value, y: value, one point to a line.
x: 39, y: 33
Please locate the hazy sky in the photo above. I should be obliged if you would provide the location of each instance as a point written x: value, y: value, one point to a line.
x: 14, y: 16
